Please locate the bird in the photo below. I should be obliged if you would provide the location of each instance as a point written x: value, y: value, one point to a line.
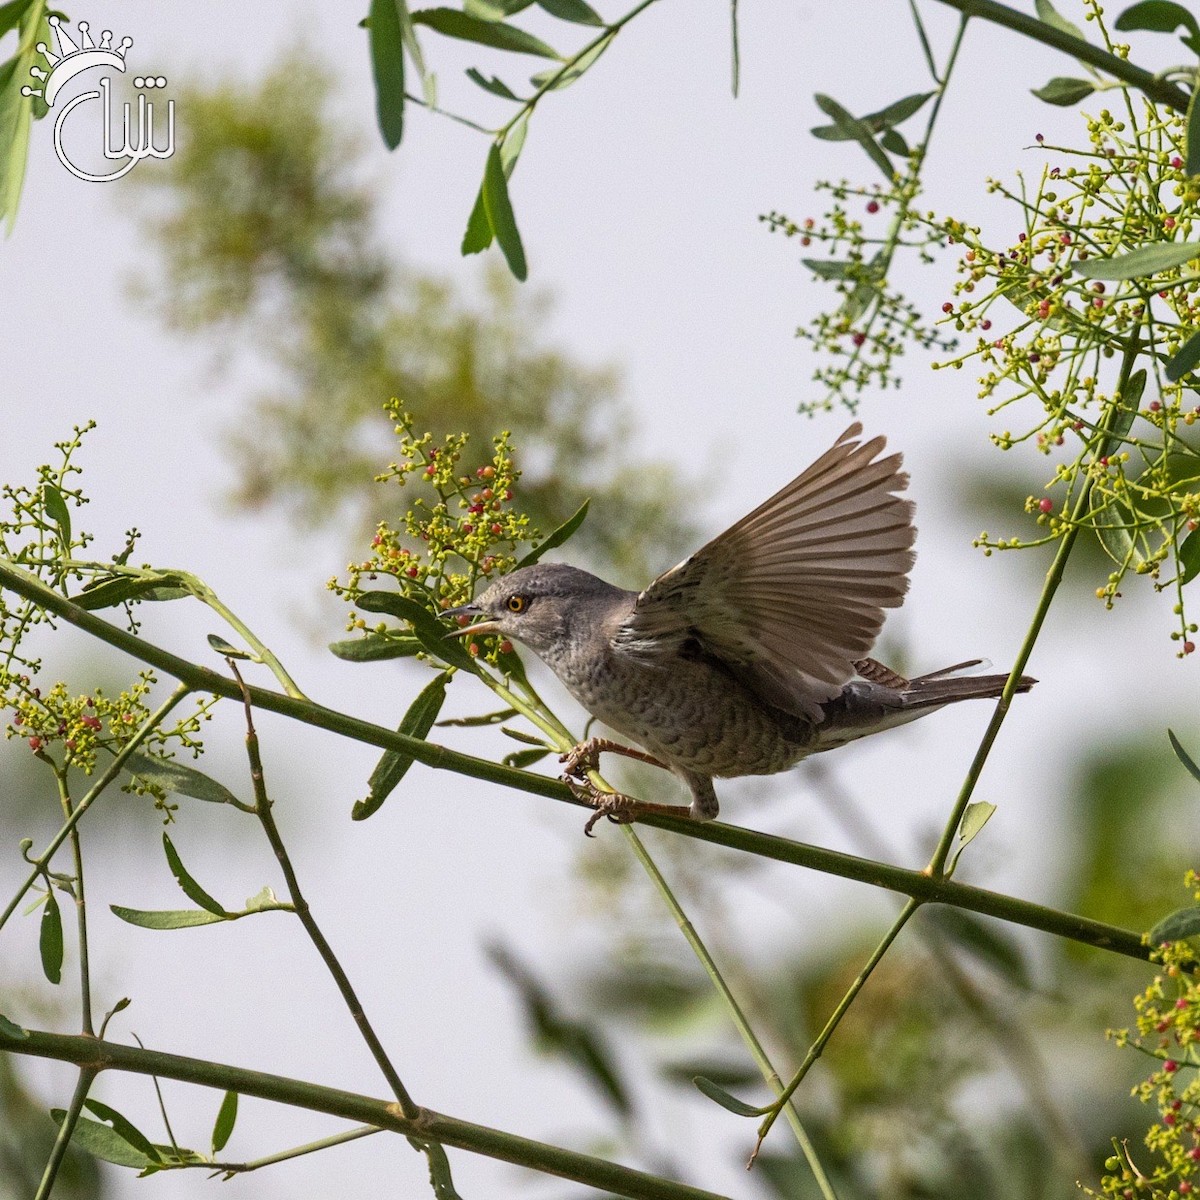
x: 751, y: 654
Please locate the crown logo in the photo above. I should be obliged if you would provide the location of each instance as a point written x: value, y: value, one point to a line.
x: 73, y: 58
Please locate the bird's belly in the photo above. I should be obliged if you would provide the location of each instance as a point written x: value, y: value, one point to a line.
x: 694, y: 717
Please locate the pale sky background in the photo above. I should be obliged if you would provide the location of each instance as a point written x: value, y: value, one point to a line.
x: 638, y: 196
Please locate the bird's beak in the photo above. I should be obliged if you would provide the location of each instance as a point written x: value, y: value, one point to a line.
x: 469, y: 610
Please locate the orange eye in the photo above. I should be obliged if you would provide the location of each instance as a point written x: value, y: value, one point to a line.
x: 517, y: 604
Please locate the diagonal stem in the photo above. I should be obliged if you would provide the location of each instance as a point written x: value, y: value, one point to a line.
x: 937, y: 864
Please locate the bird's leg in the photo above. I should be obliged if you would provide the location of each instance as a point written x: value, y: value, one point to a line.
x: 622, y: 809
x: 585, y: 757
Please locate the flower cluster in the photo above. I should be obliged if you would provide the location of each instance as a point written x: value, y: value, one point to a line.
x: 463, y: 530
x: 1168, y: 1032
x: 868, y: 331
x: 1091, y: 279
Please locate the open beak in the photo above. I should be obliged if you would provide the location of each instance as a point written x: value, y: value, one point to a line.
x: 469, y: 610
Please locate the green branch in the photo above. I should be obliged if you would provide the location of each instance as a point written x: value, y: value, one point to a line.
x: 916, y: 884
x: 1154, y: 87
x: 94, y: 1055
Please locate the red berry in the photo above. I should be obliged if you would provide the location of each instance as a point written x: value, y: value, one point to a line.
x: 1181, y: 1003
x: 1177, y: 162
x: 468, y: 528
x: 35, y: 744
x: 497, y: 530
x: 858, y: 338
x: 1184, y: 1187
x: 873, y: 206
x: 488, y: 472
x: 473, y: 649
x: 986, y: 325
x: 1194, y: 1154
x: 1046, y: 504
x: 1154, y: 405
x: 463, y: 622
x: 506, y: 647
x: 947, y: 307
x: 412, y: 572
x: 1189, y: 647
x: 1169, y: 1119
x: 1170, y: 1066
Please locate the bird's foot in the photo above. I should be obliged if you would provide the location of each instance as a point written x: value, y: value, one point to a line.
x: 619, y: 808
x: 585, y: 757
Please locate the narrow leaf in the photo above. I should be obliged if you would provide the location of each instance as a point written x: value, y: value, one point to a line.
x: 1140, y: 263
x: 1179, y: 925
x: 524, y: 758
x: 11, y: 1029
x: 175, y: 777
x: 224, y: 648
x: 726, y: 1100
x: 1048, y: 14
x: 832, y: 268
x: 500, y: 214
x: 1128, y: 402
x: 893, y: 142
x: 179, y: 918
x: 439, y: 1171
x: 11, y: 14
x: 974, y: 819
x: 57, y: 511
x: 190, y: 887
x: 1184, y: 757
x: 375, y: 647
x: 478, y: 234
x: 878, y: 122
x: 1064, y: 91
x: 432, y: 634
x: 857, y: 131
x: 456, y: 24
x: 102, y: 1142
x: 124, y: 1128
x: 492, y: 718
x: 496, y: 86
x: 226, y: 1116
x: 1185, y: 361
x: 572, y: 10
x: 1114, y: 528
x: 394, y: 765
x: 50, y: 939
x: 557, y: 538
x: 579, y: 67
x: 116, y: 590
x: 1188, y: 560
x: 387, y: 67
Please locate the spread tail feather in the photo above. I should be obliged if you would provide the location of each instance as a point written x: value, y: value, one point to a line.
x: 931, y: 691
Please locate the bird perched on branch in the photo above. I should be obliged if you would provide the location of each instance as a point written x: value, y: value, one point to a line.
x: 752, y: 653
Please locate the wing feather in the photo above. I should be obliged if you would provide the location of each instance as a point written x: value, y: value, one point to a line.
x: 793, y: 594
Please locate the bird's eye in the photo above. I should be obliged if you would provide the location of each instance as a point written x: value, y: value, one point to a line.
x: 517, y: 604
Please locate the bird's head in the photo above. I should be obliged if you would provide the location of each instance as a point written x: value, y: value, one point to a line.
x: 543, y: 606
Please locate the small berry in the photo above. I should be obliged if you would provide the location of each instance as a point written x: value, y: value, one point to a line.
x: 1155, y: 405
x: 488, y: 472
x: 463, y: 622
x: 497, y: 530
x: 985, y: 325
x: 873, y: 206
x: 947, y: 307
x: 858, y: 338
x: 35, y: 744
x: 473, y: 649
x: 1189, y: 647
x: 506, y: 647
x: 1046, y: 504
x: 1170, y: 1066
x: 1176, y: 162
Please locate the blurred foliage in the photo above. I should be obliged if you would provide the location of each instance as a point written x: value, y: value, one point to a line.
x: 265, y: 232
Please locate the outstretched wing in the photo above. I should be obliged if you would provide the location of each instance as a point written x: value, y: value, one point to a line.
x: 794, y: 594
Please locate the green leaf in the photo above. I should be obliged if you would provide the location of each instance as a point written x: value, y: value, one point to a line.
x: 394, y: 764
x: 500, y: 214
x: 175, y: 777
x: 50, y: 939
x: 1184, y: 362
x: 1184, y: 923
x: 1184, y: 757
x: 1140, y: 263
x: 893, y: 142
x: 11, y: 14
x: 102, y: 1141
x: 478, y: 234
x: 226, y: 1116
x: 1188, y: 559
x: 1114, y: 528
x: 727, y: 1074
x: 1161, y: 16
x: 11, y: 1029
x: 439, y: 1171
x: 519, y: 735
x: 496, y: 86
x: 987, y: 942
x: 56, y: 510
x: 190, y: 887
x: 1050, y: 16
x: 878, y: 122
x: 117, y: 589
x: 177, y: 918
x: 579, y: 67
x: 715, y: 1092
x: 855, y: 130
x: 832, y: 268
x: 430, y: 632
x: 456, y: 24
x: 1128, y: 402
x: 494, y: 10
x: 226, y: 649
x: 1063, y: 91
x: 524, y: 758
x: 974, y: 819
x: 387, y: 67
x: 572, y: 10
x: 374, y: 647
x: 124, y: 1129
x: 492, y: 718
x: 557, y: 538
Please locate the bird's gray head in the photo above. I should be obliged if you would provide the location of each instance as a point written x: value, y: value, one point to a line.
x: 548, y: 607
